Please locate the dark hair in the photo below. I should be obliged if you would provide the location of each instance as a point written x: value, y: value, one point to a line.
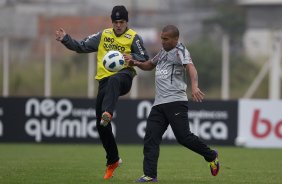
x: 118, y: 13
x: 173, y: 29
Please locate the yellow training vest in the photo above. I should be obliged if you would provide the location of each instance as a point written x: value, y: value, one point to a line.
x: 109, y: 41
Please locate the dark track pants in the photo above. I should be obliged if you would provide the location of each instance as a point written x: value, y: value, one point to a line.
x: 175, y: 115
x: 110, y: 89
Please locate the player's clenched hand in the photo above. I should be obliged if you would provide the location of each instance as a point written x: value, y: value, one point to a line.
x: 128, y: 59
x: 60, y: 33
x: 197, y: 95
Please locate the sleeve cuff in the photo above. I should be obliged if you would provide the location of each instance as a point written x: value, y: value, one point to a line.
x: 65, y: 39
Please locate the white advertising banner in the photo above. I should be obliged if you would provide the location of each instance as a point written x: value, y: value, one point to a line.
x: 260, y: 123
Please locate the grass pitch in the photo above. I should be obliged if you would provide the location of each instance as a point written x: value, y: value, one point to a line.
x: 81, y: 164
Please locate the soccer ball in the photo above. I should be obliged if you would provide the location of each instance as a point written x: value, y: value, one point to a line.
x: 113, y: 61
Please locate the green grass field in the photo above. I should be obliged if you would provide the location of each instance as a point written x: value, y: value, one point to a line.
x: 79, y: 164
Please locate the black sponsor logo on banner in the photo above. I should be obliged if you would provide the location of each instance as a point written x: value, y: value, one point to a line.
x: 143, y: 111
x: 208, y: 125
x: 60, y: 119
x: 74, y: 120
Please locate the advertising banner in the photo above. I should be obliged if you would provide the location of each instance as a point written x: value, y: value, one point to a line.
x: 215, y: 122
x: 260, y: 123
x: 48, y: 120
x: 63, y: 120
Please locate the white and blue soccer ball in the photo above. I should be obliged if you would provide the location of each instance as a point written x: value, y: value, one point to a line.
x: 113, y: 61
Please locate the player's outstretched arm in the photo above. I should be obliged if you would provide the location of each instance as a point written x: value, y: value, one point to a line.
x: 146, y: 65
x: 197, y: 94
x: 89, y: 44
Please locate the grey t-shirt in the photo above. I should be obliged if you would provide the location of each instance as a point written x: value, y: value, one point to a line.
x: 170, y: 75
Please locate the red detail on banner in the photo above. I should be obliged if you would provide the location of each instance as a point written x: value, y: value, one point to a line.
x: 258, y: 121
x: 262, y: 122
x: 277, y: 129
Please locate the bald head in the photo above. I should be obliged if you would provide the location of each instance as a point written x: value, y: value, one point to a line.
x: 172, y: 29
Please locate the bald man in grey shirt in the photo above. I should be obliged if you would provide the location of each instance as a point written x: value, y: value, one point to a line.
x: 173, y: 63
